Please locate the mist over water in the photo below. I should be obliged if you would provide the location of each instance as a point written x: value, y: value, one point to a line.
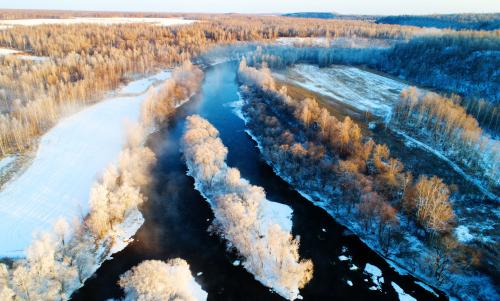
x: 177, y: 218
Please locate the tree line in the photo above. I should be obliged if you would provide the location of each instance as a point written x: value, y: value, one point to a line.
x: 356, y: 178
x: 489, y: 21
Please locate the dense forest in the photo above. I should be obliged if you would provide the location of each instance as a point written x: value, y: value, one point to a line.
x: 466, y: 63
x: 358, y: 181
x: 87, y: 60
x: 463, y: 63
x: 454, y: 21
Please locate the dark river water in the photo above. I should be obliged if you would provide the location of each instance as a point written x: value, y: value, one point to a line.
x: 177, y: 218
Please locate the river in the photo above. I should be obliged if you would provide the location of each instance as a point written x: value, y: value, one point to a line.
x: 177, y: 218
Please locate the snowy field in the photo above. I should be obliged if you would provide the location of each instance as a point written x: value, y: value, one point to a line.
x: 98, y: 21
x: 140, y: 86
x: 358, y: 88
x: 8, y: 51
x: 69, y: 159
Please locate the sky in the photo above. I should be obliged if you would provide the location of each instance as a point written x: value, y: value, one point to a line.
x: 383, y: 7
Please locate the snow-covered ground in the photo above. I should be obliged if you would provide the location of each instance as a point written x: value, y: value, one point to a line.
x: 356, y: 87
x: 69, y: 159
x: 376, y: 275
x: 403, y: 296
x: 196, y: 290
x: 99, y: 21
x: 22, y: 56
x: 4, y: 162
x: 427, y: 288
x: 7, y: 165
x: 7, y: 51
x: 32, y: 58
x: 278, y: 213
x: 140, y: 86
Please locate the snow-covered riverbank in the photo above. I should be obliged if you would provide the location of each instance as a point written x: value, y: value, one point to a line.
x: 69, y: 159
x: 458, y: 283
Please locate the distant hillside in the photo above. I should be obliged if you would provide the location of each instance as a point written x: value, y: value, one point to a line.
x: 329, y: 15
x: 316, y: 15
x: 454, y: 21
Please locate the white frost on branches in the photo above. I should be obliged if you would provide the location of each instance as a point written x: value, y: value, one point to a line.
x: 269, y: 252
x: 154, y: 280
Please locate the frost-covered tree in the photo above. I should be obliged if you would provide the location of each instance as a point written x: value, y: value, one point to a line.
x: 429, y: 198
x: 158, y: 106
x: 154, y: 280
x: 6, y: 293
x: 269, y: 252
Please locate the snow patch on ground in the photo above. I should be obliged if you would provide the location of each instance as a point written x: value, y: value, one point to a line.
x: 19, y: 55
x: 98, y: 21
x: 280, y: 214
x: 7, y: 51
x: 375, y: 274
x: 122, y: 234
x: 463, y: 235
x: 140, y: 86
x: 426, y: 287
x: 396, y: 267
x: 198, y: 293
x: 69, y: 159
x: 6, y: 161
x: 349, y: 282
x: 33, y: 58
x: 236, y: 263
x: 401, y: 293
x: 344, y: 258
